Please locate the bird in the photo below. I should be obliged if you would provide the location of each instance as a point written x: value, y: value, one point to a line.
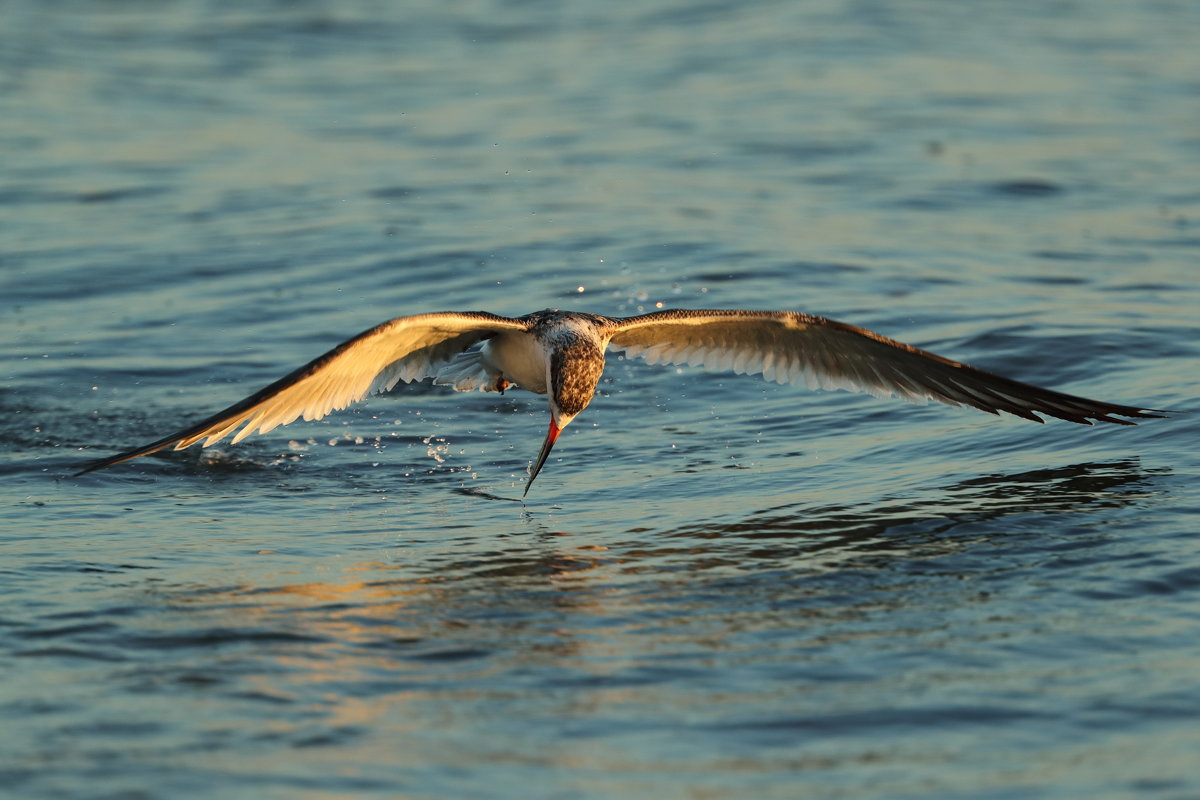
x: 561, y: 354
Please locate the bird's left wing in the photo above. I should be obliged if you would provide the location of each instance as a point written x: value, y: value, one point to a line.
x: 786, y: 346
x: 405, y: 348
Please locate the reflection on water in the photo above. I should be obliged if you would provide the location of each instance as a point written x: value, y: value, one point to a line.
x: 939, y: 510
x: 832, y: 607
x: 549, y: 572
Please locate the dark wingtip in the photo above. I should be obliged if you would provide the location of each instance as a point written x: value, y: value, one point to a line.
x: 128, y: 455
x: 91, y: 466
x: 1135, y: 414
x: 99, y: 463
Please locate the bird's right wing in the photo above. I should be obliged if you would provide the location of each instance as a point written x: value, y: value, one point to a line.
x: 786, y: 346
x: 405, y: 348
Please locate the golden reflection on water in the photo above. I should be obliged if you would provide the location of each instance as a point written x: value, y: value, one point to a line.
x: 386, y: 634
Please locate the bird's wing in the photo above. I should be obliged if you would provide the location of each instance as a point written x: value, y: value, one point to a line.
x: 787, y: 347
x: 405, y: 348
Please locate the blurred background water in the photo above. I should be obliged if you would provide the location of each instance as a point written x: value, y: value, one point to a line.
x: 718, y: 588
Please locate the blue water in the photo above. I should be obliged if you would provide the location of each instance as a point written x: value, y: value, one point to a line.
x: 718, y: 588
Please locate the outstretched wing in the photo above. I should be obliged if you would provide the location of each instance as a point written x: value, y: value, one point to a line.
x: 405, y: 348
x: 787, y: 347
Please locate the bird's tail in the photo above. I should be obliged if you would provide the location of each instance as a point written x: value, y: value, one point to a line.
x: 466, y: 372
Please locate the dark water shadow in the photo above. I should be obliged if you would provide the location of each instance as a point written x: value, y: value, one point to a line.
x: 959, y: 526
x: 802, y: 529
x: 1036, y: 510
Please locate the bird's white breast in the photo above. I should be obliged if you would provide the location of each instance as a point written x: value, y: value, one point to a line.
x: 519, y: 357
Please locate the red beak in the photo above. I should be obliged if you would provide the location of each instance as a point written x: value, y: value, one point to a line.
x: 547, y: 446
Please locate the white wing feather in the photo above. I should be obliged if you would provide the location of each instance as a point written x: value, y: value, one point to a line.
x: 788, y: 347
x: 402, y: 349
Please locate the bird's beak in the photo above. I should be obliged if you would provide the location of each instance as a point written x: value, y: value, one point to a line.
x: 547, y: 446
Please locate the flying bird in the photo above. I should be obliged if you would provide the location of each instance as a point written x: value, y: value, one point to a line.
x: 561, y: 354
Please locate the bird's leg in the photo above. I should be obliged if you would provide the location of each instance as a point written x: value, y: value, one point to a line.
x: 501, y: 384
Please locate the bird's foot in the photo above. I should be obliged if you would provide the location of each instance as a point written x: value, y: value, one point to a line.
x: 501, y: 384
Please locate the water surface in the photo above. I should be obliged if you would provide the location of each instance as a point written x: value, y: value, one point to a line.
x: 718, y: 587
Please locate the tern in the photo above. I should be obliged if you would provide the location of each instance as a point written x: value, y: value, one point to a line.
x: 561, y: 354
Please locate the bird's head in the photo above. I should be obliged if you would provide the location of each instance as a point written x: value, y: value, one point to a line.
x: 573, y: 370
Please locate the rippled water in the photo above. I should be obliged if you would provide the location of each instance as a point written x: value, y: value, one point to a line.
x: 718, y: 587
